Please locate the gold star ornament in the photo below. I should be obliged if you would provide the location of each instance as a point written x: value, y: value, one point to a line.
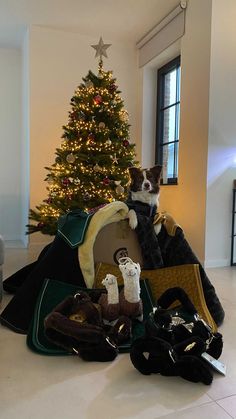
x: 101, y: 49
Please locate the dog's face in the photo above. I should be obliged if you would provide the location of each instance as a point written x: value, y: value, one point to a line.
x: 145, y: 180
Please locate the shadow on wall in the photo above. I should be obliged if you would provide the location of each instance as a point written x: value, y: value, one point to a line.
x: 221, y: 159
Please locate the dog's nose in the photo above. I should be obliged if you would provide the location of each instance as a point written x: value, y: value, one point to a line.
x: 146, y: 185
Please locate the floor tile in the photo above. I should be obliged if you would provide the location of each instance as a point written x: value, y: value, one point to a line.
x: 209, y: 411
x: 229, y: 404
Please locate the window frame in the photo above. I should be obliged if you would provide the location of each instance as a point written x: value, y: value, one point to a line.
x: 161, y: 73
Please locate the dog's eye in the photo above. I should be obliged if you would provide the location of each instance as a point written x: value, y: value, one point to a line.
x: 149, y: 176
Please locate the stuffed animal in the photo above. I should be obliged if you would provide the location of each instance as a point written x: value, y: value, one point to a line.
x: 130, y: 301
x: 162, y: 358
x: 109, y: 302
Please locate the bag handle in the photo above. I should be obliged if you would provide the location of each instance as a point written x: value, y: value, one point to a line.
x: 173, y: 294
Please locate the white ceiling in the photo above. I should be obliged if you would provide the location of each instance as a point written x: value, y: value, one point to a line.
x: 119, y: 19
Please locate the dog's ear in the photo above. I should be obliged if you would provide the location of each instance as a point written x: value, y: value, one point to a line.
x: 133, y: 171
x: 156, y: 172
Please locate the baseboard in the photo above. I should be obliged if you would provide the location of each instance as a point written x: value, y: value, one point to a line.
x: 216, y: 263
x: 15, y: 244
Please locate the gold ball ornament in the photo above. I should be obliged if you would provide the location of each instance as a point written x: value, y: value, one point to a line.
x: 101, y: 125
x: 120, y: 190
x: 70, y: 158
x: 108, y: 142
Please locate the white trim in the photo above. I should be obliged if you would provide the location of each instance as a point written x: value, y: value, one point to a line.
x: 15, y: 244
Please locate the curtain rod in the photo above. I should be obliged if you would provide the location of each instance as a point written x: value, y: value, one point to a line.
x: 150, y: 34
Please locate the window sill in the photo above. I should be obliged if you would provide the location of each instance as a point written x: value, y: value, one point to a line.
x: 173, y: 181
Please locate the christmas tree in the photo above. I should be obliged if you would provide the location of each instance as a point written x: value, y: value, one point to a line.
x: 91, y: 165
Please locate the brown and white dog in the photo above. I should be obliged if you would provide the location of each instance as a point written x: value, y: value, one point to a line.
x: 144, y: 188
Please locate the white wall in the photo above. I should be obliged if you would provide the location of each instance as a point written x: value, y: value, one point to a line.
x: 57, y: 62
x: 11, y: 173
x: 222, y: 133
x: 25, y: 138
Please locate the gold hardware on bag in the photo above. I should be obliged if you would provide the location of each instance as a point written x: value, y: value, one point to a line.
x: 78, y: 317
x: 121, y: 327
x: 189, y: 347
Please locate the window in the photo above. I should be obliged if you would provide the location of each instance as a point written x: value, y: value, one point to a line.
x: 168, y: 111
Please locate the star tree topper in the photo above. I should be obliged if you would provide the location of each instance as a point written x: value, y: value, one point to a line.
x: 101, y: 48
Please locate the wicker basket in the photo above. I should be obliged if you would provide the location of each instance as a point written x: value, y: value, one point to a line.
x: 184, y: 276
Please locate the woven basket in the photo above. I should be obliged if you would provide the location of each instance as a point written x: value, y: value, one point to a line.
x: 183, y: 276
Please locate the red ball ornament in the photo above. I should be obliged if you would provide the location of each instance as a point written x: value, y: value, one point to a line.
x: 97, y: 99
x: 65, y: 182
x: 106, y: 181
x: 112, y: 87
x: 125, y: 143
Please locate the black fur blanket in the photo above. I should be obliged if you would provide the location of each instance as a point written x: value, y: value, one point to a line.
x: 164, y: 250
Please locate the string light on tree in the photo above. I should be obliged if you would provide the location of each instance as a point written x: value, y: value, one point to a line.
x: 91, y: 164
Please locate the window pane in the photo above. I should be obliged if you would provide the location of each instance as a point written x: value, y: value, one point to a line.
x: 168, y: 162
x: 170, y: 88
x: 169, y: 124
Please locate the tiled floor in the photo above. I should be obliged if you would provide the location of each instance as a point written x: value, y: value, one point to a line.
x: 40, y: 387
